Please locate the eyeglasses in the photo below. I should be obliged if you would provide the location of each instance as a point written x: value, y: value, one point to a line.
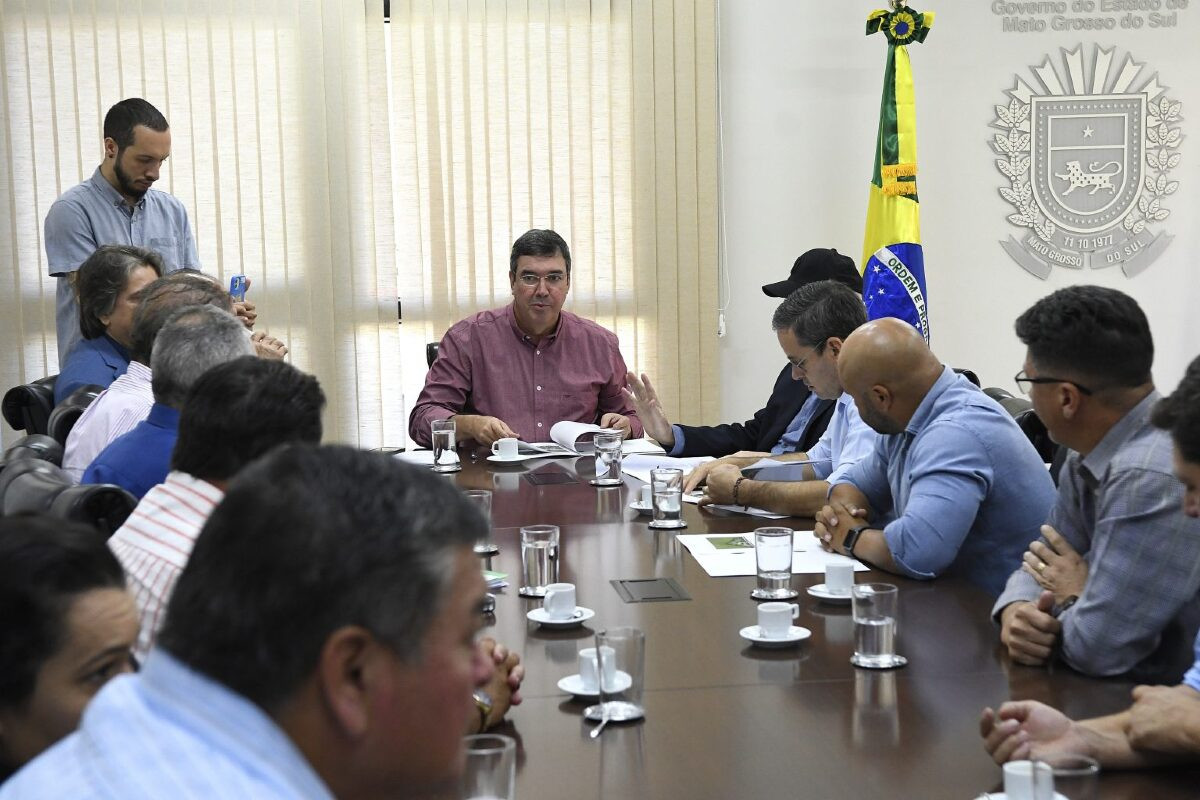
x: 812, y: 351
x: 1021, y: 378
x: 553, y: 279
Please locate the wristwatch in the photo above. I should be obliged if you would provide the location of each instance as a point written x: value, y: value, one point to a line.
x: 483, y: 702
x: 851, y: 538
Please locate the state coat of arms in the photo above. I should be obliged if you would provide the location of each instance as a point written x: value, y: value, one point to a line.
x: 1088, y: 163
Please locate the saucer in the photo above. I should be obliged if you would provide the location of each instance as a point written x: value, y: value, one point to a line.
x: 495, y: 459
x: 573, y: 684
x: 753, y: 633
x: 580, y: 616
x: 642, y: 508
x: 821, y: 593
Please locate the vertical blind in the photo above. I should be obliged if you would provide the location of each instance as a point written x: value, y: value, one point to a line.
x: 344, y: 163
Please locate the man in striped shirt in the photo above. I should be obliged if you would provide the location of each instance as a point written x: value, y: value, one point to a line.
x: 233, y: 414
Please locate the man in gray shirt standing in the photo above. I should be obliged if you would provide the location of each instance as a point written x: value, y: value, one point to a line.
x: 117, y: 206
x: 1113, y: 585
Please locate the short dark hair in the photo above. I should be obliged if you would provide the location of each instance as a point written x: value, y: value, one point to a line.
x: 122, y: 118
x: 44, y: 564
x: 306, y: 541
x: 538, y: 242
x: 818, y: 310
x: 192, y: 341
x: 159, y: 300
x: 1096, y: 334
x: 239, y: 410
x: 102, y: 278
x: 1179, y: 414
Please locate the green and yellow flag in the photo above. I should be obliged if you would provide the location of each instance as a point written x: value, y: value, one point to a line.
x: 893, y: 265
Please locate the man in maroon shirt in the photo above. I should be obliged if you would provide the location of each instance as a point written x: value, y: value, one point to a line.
x: 517, y: 370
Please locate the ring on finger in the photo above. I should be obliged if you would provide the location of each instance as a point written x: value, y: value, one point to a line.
x: 1041, y: 567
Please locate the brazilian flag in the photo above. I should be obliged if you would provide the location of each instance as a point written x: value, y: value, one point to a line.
x: 893, y: 267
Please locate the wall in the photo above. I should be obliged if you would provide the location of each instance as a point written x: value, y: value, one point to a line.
x: 800, y: 98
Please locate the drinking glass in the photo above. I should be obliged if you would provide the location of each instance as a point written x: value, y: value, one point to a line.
x: 666, y: 491
x: 773, y: 560
x: 622, y: 700
x: 445, y: 459
x: 483, y: 499
x: 539, y: 559
x: 1076, y: 777
x: 490, y: 770
x: 875, y: 626
x: 607, y: 451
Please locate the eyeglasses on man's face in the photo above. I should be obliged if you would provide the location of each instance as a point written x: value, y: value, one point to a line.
x: 552, y: 279
x: 799, y: 365
x: 1021, y: 378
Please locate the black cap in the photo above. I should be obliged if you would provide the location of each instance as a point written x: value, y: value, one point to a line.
x: 818, y: 264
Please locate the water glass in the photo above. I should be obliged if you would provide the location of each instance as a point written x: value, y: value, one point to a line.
x: 620, y: 701
x: 666, y: 493
x: 445, y: 458
x: 1076, y: 777
x: 607, y: 451
x: 490, y: 770
x: 875, y: 626
x: 539, y: 559
x: 482, y: 498
x: 773, y: 560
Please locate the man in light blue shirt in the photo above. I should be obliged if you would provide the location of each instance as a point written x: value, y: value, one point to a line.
x: 1162, y: 726
x: 117, y: 206
x: 319, y: 644
x: 811, y: 325
x: 964, y: 487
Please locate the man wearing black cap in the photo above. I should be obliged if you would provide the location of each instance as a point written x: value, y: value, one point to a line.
x: 793, y: 419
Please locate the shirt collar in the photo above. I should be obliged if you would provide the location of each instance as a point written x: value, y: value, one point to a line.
x: 163, y: 416
x: 523, y: 336
x: 1096, y: 462
x: 106, y: 190
x: 139, y: 372
x: 925, y: 411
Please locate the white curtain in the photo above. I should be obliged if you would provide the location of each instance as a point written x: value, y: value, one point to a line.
x: 278, y: 114
x: 596, y: 118
x: 344, y: 163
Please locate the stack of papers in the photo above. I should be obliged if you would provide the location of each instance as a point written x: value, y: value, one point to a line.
x: 495, y: 580
x: 727, y: 555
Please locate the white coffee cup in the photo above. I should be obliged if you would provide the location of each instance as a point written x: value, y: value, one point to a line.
x: 644, y: 496
x: 505, y: 448
x: 559, y: 602
x: 774, y: 619
x: 1019, y: 780
x: 839, y: 577
x: 587, y: 668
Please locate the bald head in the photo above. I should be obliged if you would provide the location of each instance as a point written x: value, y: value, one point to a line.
x: 887, y: 368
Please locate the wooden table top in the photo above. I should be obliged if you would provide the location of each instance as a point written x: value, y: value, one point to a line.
x: 727, y: 720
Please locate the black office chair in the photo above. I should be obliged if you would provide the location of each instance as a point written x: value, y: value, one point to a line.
x: 67, y: 413
x: 969, y: 375
x: 27, y: 407
x: 1029, y: 423
x: 431, y: 353
x: 35, y: 486
x: 34, y: 445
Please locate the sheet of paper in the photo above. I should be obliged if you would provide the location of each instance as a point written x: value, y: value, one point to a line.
x: 567, y: 434
x: 639, y: 465
x: 422, y: 458
x: 769, y: 469
x: 722, y: 555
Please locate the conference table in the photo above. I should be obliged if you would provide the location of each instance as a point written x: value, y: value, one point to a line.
x: 725, y: 719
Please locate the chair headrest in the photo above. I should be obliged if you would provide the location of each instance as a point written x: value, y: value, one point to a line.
x: 34, y: 445
x: 32, y: 492
x: 21, y: 466
x: 104, y: 506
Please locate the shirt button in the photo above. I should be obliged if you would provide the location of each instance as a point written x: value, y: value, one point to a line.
x: 538, y: 352
x: 539, y: 388
x: 539, y: 424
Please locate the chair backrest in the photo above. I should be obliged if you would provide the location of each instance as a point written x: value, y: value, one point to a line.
x: 34, y: 445
x: 431, y: 353
x: 25, y: 466
x: 27, y: 407
x: 969, y: 375
x: 101, y: 505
